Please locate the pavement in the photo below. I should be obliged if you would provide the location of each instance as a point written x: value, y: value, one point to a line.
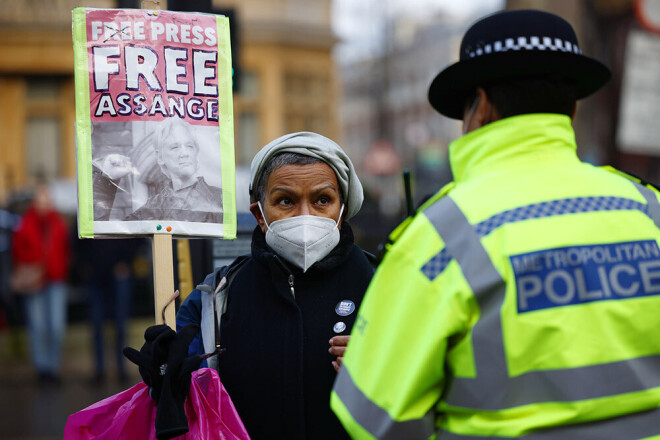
x: 30, y: 411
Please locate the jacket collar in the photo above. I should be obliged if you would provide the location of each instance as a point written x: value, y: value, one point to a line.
x: 262, y: 252
x: 517, y: 141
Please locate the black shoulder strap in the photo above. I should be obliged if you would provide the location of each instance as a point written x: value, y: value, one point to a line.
x: 230, y: 270
x: 223, y: 280
x: 631, y: 176
x: 371, y: 258
x: 643, y: 182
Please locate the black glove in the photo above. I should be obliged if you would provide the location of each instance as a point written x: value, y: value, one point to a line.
x: 152, y: 356
x: 171, y: 418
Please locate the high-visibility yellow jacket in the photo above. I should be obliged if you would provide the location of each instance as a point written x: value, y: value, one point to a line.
x: 522, y: 301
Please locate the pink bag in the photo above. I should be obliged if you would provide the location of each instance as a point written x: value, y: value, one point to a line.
x: 131, y: 414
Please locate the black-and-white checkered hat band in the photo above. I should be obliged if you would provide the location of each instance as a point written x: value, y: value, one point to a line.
x: 526, y: 43
x: 515, y: 44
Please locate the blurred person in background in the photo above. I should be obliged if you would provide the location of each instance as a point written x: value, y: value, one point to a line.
x: 40, y: 260
x: 521, y: 301
x: 106, y: 270
x: 9, y: 313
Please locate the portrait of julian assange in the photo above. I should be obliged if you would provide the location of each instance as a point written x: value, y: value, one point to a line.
x: 168, y: 170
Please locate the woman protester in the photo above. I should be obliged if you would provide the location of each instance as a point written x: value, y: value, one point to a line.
x: 284, y: 313
x: 300, y: 288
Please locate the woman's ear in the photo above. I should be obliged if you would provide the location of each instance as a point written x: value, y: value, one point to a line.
x: 256, y: 212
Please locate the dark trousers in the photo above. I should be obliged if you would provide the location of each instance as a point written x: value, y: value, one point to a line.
x: 114, y: 298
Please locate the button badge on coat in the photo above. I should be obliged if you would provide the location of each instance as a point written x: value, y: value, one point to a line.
x: 345, y: 307
x: 339, y: 327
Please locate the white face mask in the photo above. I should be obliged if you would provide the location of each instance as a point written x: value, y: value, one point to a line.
x: 303, y: 240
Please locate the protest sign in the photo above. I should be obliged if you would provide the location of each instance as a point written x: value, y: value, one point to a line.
x: 154, y: 124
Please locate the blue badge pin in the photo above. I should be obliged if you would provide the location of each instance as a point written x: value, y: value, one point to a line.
x: 339, y: 327
x: 345, y: 307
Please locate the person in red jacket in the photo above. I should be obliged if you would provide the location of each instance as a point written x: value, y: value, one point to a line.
x: 42, y: 237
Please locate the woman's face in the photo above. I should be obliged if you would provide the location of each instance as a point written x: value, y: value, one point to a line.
x: 294, y: 190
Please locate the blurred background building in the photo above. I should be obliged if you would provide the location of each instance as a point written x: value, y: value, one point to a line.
x: 356, y: 71
x: 287, y: 79
x: 388, y: 124
x: 300, y: 67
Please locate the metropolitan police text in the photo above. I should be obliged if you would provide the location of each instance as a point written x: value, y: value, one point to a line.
x: 578, y: 274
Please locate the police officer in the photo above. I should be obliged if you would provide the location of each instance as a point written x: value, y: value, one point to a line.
x: 522, y: 301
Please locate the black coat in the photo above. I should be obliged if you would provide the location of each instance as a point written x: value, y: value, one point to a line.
x: 276, y: 367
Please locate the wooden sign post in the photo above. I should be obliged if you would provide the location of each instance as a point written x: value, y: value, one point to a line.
x: 161, y: 251
x: 163, y: 278
x: 153, y: 5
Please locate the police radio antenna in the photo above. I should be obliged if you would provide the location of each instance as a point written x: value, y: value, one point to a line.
x: 408, y: 191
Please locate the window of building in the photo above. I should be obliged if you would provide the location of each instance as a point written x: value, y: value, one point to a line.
x: 247, y: 119
x: 43, y: 146
x: 307, y: 102
x: 43, y: 127
x: 248, y: 136
x: 249, y: 85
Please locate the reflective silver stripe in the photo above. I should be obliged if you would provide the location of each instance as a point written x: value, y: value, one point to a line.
x: 629, y: 427
x: 565, y: 385
x: 550, y: 208
x: 652, y: 203
x: 376, y: 420
x: 493, y: 389
x: 463, y: 243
